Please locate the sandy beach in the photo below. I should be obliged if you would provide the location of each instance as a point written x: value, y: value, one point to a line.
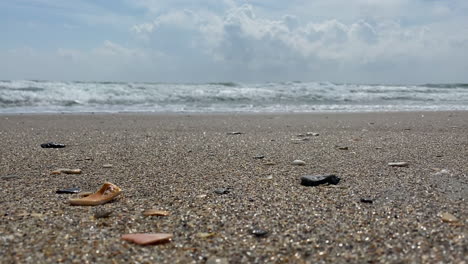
x: 179, y: 163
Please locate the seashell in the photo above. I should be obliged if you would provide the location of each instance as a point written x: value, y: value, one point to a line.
x: 106, y: 194
x: 154, y: 212
x: 147, y: 238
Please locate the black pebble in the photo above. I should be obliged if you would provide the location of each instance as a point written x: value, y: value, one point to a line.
x: 259, y: 157
x: 68, y: 190
x: 314, y: 180
x: 259, y: 232
x: 366, y: 200
x: 52, y: 145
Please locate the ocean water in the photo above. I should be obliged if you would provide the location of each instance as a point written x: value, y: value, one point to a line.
x: 52, y: 97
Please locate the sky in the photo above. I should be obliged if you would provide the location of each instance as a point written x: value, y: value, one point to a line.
x: 343, y: 41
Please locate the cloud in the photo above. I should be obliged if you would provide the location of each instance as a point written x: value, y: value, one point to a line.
x: 390, y: 41
x: 247, y: 46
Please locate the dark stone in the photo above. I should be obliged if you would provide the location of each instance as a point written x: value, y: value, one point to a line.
x: 342, y: 148
x: 366, y: 200
x: 52, y: 145
x: 314, y: 180
x: 68, y: 190
x: 222, y: 190
x: 259, y: 157
x: 259, y: 232
x: 235, y: 133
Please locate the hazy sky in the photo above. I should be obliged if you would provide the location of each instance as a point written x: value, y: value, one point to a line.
x: 365, y: 41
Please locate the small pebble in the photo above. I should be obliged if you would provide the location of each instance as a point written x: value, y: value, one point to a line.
x: 343, y: 148
x: 52, y: 145
x: 366, y: 200
x: 314, y: 180
x: 270, y: 163
x: 68, y: 190
x: 298, y: 163
x: 66, y: 171
x: 235, y: 133
x: 217, y: 260
x: 107, y: 166
x: 312, y: 134
x: 259, y: 157
x: 222, y: 190
x: 259, y: 232
x: 448, y: 217
x: 398, y: 164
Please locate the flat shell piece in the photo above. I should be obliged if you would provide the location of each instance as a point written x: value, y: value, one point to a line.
x: 398, y: 164
x: 448, y: 217
x: 147, y: 239
x: 154, y: 212
x: 106, y: 194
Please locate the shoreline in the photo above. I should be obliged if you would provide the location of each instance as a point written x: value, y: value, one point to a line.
x: 175, y: 162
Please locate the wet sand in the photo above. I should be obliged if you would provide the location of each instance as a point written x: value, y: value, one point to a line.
x: 175, y: 162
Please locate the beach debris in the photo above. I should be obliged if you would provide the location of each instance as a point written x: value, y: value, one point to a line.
x: 223, y: 190
x: 148, y: 238
x: 366, y: 200
x: 398, y: 164
x: 102, y: 213
x: 154, y: 212
x: 66, y: 171
x: 259, y: 232
x: 342, y: 147
x: 235, y: 133
x: 217, y: 260
x: 68, y: 190
x: 312, y: 134
x: 448, y: 217
x: 107, y: 166
x: 9, y: 177
x: 259, y: 157
x: 298, y: 163
x: 106, y: 194
x: 314, y: 180
x: 52, y: 145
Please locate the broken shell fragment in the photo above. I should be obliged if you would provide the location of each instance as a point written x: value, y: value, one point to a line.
x: 398, y: 164
x: 448, y: 218
x: 147, y: 239
x: 154, y: 212
x: 106, y: 194
x: 66, y: 171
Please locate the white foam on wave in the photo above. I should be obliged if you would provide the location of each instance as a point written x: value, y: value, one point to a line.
x: 49, y: 96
